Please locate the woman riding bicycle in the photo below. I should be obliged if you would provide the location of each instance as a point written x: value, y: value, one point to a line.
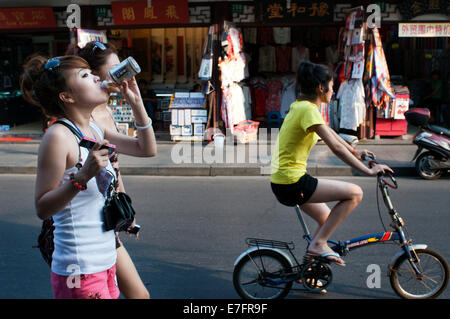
x: 291, y: 184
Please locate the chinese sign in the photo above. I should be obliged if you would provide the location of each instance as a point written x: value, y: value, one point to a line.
x: 419, y: 29
x: 160, y: 12
x: 413, y: 8
x: 22, y: 18
x: 295, y: 10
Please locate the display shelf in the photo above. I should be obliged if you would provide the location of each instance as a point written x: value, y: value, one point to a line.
x: 188, y: 116
x: 122, y: 114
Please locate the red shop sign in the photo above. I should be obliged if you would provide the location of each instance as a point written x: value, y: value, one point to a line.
x: 23, y: 18
x: 160, y: 12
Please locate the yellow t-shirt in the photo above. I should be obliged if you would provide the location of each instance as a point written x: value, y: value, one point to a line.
x: 294, y: 143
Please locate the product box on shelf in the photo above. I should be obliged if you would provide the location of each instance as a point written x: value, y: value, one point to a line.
x: 180, y: 117
x: 174, y: 117
x: 199, y: 113
x: 199, y: 129
x: 175, y: 130
x: 186, y: 130
x: 187, y: 117
x: 199, y: 119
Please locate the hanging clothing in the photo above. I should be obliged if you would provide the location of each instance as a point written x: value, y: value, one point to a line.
x: 265, y: 36
x: 284, y: 58
x: 352, y: 104
x: 233, y: 70
x: 299, y: 54
x: 233, y: 109
x: 288, y: 95
x: 247, y: 101
x: 267, y: 59
x: 274, y: 97
x: 282, y: 35
x: 259, y: 92
x: 250, y: 35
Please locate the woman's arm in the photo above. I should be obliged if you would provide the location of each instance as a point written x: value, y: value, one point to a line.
x: 51, y: 196
x: 352, y: 150
x: 145, y: 144
x: 343, y: 152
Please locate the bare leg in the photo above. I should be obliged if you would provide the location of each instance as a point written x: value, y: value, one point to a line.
x: 348, y: 197
x: 317, y: 211
x: 130, y: 284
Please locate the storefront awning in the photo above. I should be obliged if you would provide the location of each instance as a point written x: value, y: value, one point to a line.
x: 160, y: 12
x: 26, y: 18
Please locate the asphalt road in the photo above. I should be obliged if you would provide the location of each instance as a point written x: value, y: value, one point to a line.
x: 193, y: 229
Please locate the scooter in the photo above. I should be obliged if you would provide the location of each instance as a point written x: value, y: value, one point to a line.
x: 435, y: 140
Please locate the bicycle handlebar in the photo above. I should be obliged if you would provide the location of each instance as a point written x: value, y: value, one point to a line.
x: 371, y: 162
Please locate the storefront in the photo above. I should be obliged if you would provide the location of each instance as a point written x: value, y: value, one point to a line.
x: 277, y: 35
x: 165, y: 37
x: 24, y: 31
x: 170, y: 39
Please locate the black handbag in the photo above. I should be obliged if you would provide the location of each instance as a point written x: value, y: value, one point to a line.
x: 118, y: 213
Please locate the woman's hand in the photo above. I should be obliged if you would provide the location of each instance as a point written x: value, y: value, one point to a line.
x: 130, y: 91
x: 96, y: 161
x: 360, y: 153
x: 380, y: 168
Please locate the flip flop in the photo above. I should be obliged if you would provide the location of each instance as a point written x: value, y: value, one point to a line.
x: 324, y: 256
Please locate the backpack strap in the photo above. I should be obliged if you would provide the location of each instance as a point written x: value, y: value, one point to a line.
x: 78, y: 135
x: 70, y: 127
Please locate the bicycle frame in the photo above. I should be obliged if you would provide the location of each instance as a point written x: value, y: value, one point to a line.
x: 343, y: 247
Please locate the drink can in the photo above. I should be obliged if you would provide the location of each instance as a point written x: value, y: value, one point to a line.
x: 125, y: 70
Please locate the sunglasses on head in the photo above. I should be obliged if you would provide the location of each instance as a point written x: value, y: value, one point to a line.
x: 52, y: 64
x: 98, y: 45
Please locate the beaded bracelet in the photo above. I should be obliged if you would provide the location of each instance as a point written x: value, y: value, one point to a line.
x: 76, y: 184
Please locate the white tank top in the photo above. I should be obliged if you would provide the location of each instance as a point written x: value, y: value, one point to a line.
x: 81, y: 244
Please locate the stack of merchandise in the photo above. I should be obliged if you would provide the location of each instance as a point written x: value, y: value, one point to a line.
x: 122, y: 114
x: 398, y: 106
x: 246, y: 132
x: 351, y: 94
x: 188, y: 116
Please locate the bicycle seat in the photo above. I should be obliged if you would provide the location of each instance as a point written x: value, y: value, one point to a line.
x: 439, y: 130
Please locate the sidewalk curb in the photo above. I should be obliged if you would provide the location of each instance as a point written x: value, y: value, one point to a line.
x: 219, y: 171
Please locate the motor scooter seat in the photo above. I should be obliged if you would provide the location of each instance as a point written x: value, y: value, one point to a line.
x: 439, y: 130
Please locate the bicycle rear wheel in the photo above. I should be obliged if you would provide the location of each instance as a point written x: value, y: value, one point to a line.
x: 432, y: 280
x: 262, y: 274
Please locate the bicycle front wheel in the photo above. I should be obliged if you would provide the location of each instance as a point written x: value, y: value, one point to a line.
x: 262, y: 274
x: 431, y: 281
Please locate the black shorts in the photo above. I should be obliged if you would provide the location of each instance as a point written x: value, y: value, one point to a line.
x: 297, y: 193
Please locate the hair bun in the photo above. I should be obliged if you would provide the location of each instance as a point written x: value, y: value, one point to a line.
x: 32, y: 71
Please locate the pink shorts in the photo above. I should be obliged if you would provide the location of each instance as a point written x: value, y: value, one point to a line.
x: 101, y: 285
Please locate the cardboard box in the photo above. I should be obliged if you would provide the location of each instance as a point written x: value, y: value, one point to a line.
x: 175, y: 130
x: 174, y: 117
x: 186, y: 130
x: 180, y: 117
x: 199, y: 113
x: 187, y: 117
x: 199, y: 119
x: 199, y: 129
